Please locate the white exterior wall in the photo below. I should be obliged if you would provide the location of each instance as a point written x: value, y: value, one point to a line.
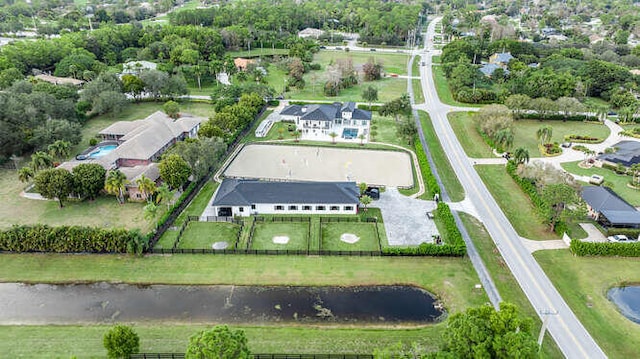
x: 270, y: 209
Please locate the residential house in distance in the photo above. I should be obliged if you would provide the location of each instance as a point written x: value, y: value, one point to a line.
x: 242, y: 64
x: 499, y: 60
x: 135, y: 67
x: 606, y: 207
x: 310, y: 32
x: 319, y: 121
x: 59, y: 80
x: 237, y: 197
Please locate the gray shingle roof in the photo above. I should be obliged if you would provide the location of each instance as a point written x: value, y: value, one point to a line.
x: 503, y: 57
x: 628, y: 153
x: 488, y: 69
x: 604, y: 199
x: 325, y: 112
x: 622, y: 218
x: 234, y: 192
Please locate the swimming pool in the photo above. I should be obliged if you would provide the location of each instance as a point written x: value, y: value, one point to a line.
x: 102, y: 151
x: 349, y: 133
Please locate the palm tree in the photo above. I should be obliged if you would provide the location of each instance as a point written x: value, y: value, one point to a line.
x: 25, y: 174
x: 333, y: 136
x: 544, y: 134
x: 60, y: 149
x: 41, y: 160
x: 361, y: 137
x: 164, y: 194
x: 373, y: 135
x: 521, y: 155
x: 280, y: 132
x: 146, y: 186
x: 150, y: 211
x: 635, y: 172
x: 115, y: 184
x: 296, y: 135
x: 365, y: 200
x: 504, y: 138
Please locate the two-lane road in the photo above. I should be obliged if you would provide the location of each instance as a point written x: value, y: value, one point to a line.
x: 572, y: 338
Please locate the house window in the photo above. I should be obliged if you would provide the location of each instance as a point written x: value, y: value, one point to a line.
x: 334, y: 208
x: 348, y: 208
x: 253, y: 206
x: 278, y: 208
x: 293, y: 208
x: 241, y: 209
x: 306, y: 208
x: 320, y: 208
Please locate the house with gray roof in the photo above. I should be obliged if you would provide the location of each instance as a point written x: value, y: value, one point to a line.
x: 501, y: 58
x: 627, y: 154
x: 606, y: 207
x: 238, y: 197
x: 346, y: 120
x: 489, y: 69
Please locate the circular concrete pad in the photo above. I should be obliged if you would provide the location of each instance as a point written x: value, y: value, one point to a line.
x: 220, y: 245
x: 349, y: 238
x: 309, y: 163
x: 280, y: 239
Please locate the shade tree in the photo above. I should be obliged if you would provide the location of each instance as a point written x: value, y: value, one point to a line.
x: 54, y: 183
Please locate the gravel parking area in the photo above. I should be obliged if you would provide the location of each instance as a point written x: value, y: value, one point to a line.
x: 405, y: 219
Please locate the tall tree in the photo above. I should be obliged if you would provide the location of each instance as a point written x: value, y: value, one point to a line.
x: 116, y: 184
x: 398, y: 107
x: 521, y: 155
x: 174, y: 170
x: 59, y: 150
x: 55, y: 183
x: 407, y: 130
x: 146, y: 186
x: 563, y: 202
x: 365, y: 200
x: 41, y: 160
x: 370, y: 94
x: 219, y: 343
x: 544, y: 134
x: 164, y: 195
x: 517, y: 103
x: 172, y: 109
x: 121, y: 341
x: 89, y: 180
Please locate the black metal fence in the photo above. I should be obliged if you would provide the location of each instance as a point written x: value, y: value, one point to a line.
x: 259, y: 356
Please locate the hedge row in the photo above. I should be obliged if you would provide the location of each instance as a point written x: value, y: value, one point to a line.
x: 581, y: 248
x: 71, y: 239
x: 559, y: 117
x: 582, y: 139
x: 451, y: 235
x: 629, y: 232
x: 372, y: 108
x: 427, y: 176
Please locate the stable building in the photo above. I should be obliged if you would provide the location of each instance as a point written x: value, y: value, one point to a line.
x: 237, y: 197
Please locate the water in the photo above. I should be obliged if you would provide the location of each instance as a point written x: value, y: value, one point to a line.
x: 106, y: 303
x: 102, y: 150
x: 627, y: 299
x: 350, y: 133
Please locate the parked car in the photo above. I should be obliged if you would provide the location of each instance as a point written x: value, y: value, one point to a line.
x: 373, y: 192
x: 620, y: 238
x: 323, y: 47
x: 372, y: 49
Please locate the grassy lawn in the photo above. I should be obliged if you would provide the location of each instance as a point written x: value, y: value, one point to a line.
x: 418, y: 96
x: 465, y: 129
x: 195, y: 208
x: 389, y: 88
x: 442, y: 87
x: 448, y: 176
x: 393, y: 63
x: 506, y: 284
x: 514, y: 203
x: 202, y: 235
x: 525, y: 132
x: 613, y: 180
x: 298, y: 233
x: 331, y: 233
x: 583, y: 282
x: 104, y: 212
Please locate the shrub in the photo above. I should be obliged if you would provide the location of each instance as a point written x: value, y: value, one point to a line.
x: 582, y: 139
x: 427, y: 176
x: 629, y: 232
x: 559, y: 117
x: 121, y: 341
x: 581, y: 248
x: 93, y: 141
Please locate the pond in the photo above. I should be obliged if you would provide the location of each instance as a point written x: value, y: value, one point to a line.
x: 107, y: 302
x: 627, y: 299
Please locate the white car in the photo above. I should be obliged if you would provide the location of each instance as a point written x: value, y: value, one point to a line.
x: 620, y: 238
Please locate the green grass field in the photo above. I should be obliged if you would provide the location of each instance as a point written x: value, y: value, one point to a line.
x: 331, y: 233
x: 393, y: 63
x: 514, y: 203
x: 525, y: 132
x: 202, y: 235
x: 448, y: 176
x: 298, y: 233
x: 389, y: 88
x: 472, y: 143
x: 583, y: 282
x: 617, y: 182
x: 418, y: 96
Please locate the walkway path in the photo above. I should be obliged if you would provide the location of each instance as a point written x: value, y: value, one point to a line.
x: 570, y: 335
x: 533, y: 246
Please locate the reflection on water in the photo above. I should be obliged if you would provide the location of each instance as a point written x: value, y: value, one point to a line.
x: 627, y: 299
x: 105, y: 302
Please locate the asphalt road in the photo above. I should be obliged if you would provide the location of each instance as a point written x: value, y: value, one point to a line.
x: 570, y: 335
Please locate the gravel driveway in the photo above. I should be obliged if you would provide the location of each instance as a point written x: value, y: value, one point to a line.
x: 405, y: 219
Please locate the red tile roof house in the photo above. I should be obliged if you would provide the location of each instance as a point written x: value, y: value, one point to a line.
x: 140, y: 145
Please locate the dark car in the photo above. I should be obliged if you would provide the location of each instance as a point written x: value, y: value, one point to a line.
x: 373, y: 192
x: 372, y: 49
x: 323, y: 47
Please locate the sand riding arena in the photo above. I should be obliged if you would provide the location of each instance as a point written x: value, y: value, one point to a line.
x: 311, y: 163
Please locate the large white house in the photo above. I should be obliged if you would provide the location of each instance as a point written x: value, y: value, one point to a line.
x: 237, y: 197
x: 346, y: 121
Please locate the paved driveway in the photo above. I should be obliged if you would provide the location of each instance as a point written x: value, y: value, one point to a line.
x: 405, y: 219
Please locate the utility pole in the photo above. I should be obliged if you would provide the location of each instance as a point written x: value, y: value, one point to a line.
x: 547, y: 315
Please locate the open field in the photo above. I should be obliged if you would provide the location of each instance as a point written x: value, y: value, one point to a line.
x: 617, y: 182
x: 202, y: 235
x: 469, y: 137
x: 393, y: 63
x: 506, y: 284
x: 104, y: 212
x: 308, y: 163
x: 525, y: 132
x: 583, y: 282
x: 297, y: 232
x: 514, y: 203
x: 366, y: 232
x: 389, y: 88
x: 448, y: 176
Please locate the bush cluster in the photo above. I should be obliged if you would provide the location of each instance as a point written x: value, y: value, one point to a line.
x: 468, y: 95
x: 427, y: 176
x: 373, y: 108
x: 629, y: 232
x: 581, y: 248
x: 582, y: 139
x: 559, y: 117
x: 71, y: 239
